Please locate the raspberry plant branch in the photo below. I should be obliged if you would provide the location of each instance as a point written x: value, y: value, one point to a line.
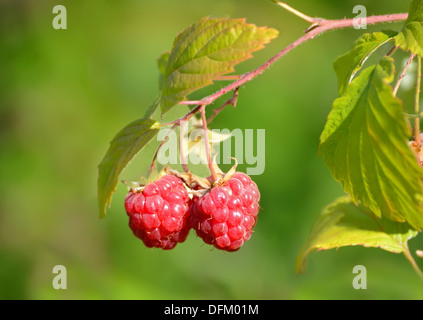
x: 318, y: 26
x: 184, y: 118
x: 321, y: 27
x: 391, y: 51
x: 296, y: 12
x: 108, y: 171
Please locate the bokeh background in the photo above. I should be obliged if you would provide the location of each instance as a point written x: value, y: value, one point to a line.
x: 64, y: 94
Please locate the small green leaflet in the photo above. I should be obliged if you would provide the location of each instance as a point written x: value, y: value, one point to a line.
x: 347, y: 65
x: 208, y: 48
x: 411, y: 36
x: 365, y: 146
x: 124, y: 146
x: 343, y: 223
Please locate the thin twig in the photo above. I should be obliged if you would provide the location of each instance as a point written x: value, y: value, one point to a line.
x: 391, y: 51
x: 413, y: 263
x: 402, y: 75
x: 296, y: 12
x: 184, y: 118
x: 232, y: 101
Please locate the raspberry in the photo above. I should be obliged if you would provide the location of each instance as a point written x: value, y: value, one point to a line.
x: 158, y: 215
x: 225, y: 216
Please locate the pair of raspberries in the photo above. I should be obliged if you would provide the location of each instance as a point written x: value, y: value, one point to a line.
x: 163, y: 213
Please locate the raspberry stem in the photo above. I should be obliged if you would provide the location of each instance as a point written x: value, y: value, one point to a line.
x: 296, y: 12
x: 317, y: 27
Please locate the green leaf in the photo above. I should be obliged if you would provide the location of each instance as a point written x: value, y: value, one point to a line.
x: 347, y: 65
x: 343, y: 223
x: 365, y: 146
x: 411, y: 37
x: 124, y: 146
x: 416, y: 11
x: 209, y: 48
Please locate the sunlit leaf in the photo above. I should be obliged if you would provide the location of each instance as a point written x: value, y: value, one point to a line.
x: 365, y: 146
x: 124, y: 146
x: 343, y: 223
x: 411, y: 36
x: 348, y: 64
x: 208, y: 48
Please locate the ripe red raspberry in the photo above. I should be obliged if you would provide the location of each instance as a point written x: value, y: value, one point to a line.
x: 158, y: 215
x: 225, y: 216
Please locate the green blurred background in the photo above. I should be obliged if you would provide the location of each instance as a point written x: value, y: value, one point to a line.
x: 64, y: 94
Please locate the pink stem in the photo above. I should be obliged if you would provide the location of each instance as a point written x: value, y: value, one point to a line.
x: 403, y: 73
